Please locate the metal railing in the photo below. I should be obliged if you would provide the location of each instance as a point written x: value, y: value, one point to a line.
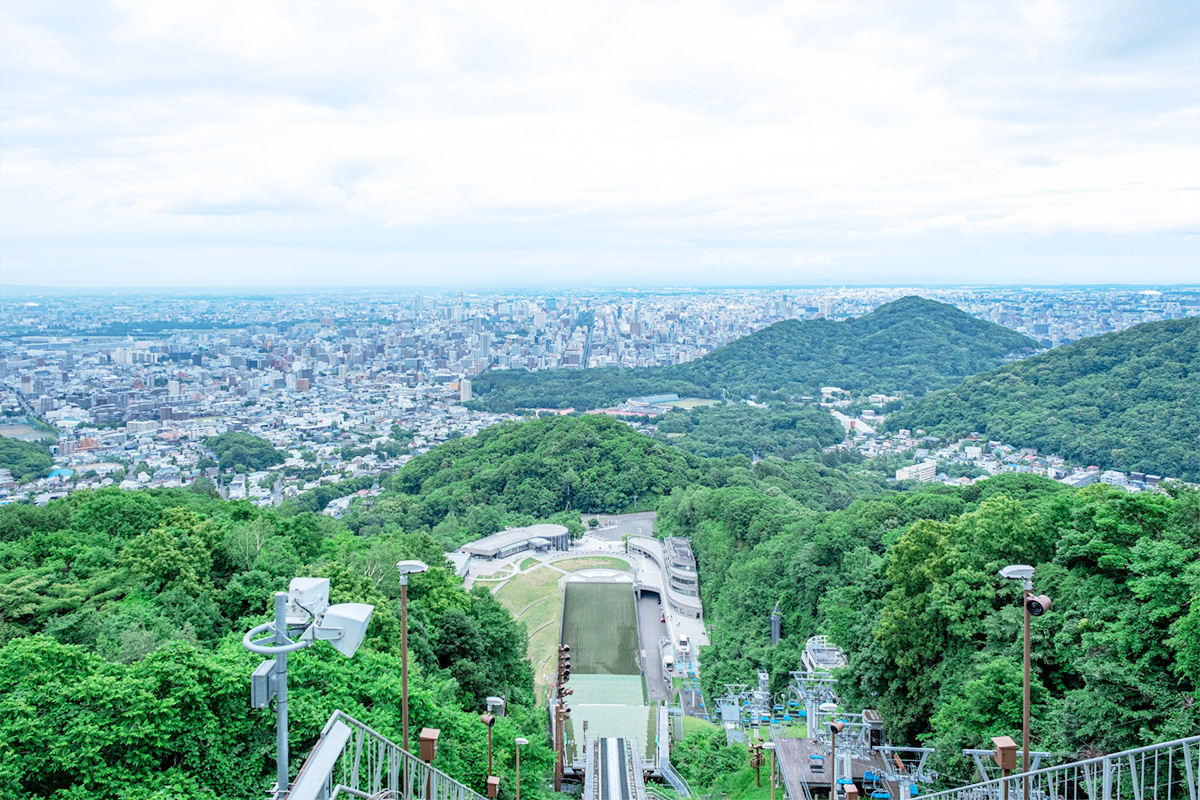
x: 675, y: 780
x: 353, y: 761
x: 1167, y: 771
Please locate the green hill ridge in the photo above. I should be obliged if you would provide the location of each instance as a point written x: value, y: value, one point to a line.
x: 1125, y: 401
x: 911, y: 345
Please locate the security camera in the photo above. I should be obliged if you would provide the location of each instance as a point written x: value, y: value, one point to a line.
x: 344, y: 626
x: 1037, y: 605
x: 307, y: 599
x: 1017, y: 572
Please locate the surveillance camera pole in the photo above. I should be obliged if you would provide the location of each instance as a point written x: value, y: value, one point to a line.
x: 281, y: 720
x: 282, y: 646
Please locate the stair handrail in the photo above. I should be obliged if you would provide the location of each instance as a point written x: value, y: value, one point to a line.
x: 370, y: 765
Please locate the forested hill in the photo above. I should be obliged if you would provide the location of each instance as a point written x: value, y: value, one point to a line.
x: 517, y: 473
x: 1124, y: 401
x: 911, y: 345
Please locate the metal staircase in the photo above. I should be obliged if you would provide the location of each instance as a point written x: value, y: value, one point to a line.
x: 1167, y: 771
x: 353, y: 761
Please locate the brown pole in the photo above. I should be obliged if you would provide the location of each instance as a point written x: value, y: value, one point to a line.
x: 519, y: 773
x: 404, y: 658
x: 1025, y: 721
x: 558, y: 746
x: 489, y: 751
x: 1004, y: 779
x: 757, y: 764
x: 833, y: 759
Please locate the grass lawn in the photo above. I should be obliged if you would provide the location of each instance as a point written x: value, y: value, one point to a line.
x: 592, y: 562
x: 541, y: 620
x: 485, y: 582
x: 527, y: 563
x: 693, y: 724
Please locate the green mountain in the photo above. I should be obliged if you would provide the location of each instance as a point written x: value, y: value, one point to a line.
x: 910, y: 345
x: 517, y: 473
x: 1124, y: 401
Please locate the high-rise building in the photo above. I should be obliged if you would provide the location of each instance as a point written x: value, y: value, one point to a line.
x: 464, y: 390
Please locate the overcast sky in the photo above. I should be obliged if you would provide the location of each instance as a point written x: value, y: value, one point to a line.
x: 515, y: 144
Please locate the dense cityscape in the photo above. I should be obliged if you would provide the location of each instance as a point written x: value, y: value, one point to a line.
x: 126, y: 390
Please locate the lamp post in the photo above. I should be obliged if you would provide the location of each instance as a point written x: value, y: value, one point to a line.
x: 304, y: 609
x: 520, y: 740
x: 1034, y: 606
x: 771, y: 746
x: 406, y: 568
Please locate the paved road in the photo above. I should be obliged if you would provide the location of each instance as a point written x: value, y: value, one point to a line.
x: 652, y: 630
x: 631, y: 524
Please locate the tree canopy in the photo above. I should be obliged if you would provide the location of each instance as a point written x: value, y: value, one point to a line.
x: 243, y: 452
x: 1125, y: 401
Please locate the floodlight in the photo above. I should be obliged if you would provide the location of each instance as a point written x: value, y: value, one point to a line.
x: 1017, y: 572
x: 345, y: 625
x: 521, y: 741
x: 307, y: 599
x: 768, y: 745
x: 409, y: 567
x: 837, y: 726
x: 827, y: 708
x: 496, y: 702
x: 1038, y: 605
x: 487, y: 719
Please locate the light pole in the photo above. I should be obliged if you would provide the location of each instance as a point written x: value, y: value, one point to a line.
x: 304, y: 609
x: 406, y: 568
x: 1034, y: 606
x: 835, y: 728
x: 520, y: 741
x: 490, y: 720
x: 771, y: 746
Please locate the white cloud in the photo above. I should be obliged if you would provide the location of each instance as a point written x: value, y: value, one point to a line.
x: 651, y: 141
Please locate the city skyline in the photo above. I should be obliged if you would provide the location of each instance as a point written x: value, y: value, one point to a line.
x: 513, y: 146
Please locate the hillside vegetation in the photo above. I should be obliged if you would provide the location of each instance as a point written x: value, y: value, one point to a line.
x: 1126, y: 401
x: 122, y: 673
x: 719, y: 431
x: 907, y: 584
x: 911, y: 345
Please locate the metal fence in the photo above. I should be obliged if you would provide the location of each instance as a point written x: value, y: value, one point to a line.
x: 353, y: 761
x: 1167, y: 771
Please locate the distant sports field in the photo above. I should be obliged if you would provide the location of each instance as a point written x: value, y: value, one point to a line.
x: 600, y: 625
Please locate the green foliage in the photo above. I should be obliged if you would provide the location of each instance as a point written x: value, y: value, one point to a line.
x: 704, y: 760
x: 121, y: 667
x: 25, y: 460
x: 906, y: 583
x: 243, y: 452
x: 472, y: 486
x: 910, y: 345
x: 720, y: 431
x: 1125, y: 401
